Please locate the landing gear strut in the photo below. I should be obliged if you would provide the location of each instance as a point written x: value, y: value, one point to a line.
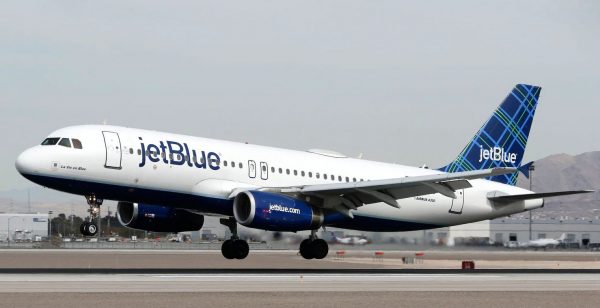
x: 234, y: 248
x: 313, y: 247
x: 90, y: 228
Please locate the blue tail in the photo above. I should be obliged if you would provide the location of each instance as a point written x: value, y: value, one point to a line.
x: 501, y: 141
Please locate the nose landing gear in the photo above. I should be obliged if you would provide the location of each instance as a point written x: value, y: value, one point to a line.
x: 90, y: 228
x: 313, y: 247
x: 234, y: 248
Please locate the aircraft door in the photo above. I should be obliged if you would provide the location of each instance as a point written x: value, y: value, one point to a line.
x: 264, y: 170
x: 112, y: 142
x: 251, y: 169
x: 458, y: 203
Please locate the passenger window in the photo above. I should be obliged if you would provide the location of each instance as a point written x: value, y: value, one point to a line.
x: 353, y: 179
x: 232, y: 164
x: 287, y: 171
x: 50, y: 141
x: 65, y: 142
x: 302, y: 173
x: 264, y: 168
x: 272, y: 169
x: 310, y: 174
x: 347, y: 179
x: 77, y: 144
x: 339, y: 178
x: 130, y: 151
x: 139, y: 152
x: 318, y: 176
x: 225, y: 163
x: 295, y: 172
x: 280, y: 170
x: 325, y: 176
x: 333, y: 177
x: 241, y: 166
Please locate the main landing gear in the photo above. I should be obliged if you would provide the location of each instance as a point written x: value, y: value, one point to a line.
x: 234, y: 248
x: 90, y: 228
x: 313, y: 247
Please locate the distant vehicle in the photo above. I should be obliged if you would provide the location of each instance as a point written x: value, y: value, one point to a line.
x: 352, y: 240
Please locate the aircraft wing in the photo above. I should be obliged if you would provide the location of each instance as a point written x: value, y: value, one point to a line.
x: 346, y: 196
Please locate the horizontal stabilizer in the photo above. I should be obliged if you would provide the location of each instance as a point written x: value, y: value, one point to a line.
x: 499, y: 197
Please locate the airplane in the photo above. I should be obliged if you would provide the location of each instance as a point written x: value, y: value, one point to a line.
x: 544, y: 242
x: 167, y: 182
x: 352, y: 240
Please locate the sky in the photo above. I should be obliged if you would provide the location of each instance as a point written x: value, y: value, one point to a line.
x: 408, y: 82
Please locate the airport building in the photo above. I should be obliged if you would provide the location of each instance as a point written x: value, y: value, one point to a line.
x: 500, y: 231
x: 18, y: 227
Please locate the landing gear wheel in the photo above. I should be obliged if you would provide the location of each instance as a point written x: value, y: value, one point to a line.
x: 241, y: 249
x: 92, y: 229
x: 88, y: 228
x: 83, y: 228
x: 235, y: 249
x: 319, y: 248
x: 305, y: 249
x: 227, y: 249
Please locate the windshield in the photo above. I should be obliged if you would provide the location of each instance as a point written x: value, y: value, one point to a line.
x: 50, y: 141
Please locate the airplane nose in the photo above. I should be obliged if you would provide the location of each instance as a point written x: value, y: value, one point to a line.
x: 25, y: 162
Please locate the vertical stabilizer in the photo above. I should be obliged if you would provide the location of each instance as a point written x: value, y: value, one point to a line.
x: 501, y: 141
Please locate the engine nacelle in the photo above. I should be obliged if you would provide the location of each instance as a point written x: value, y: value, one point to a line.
x: 275, y: 212
x: 157, y: 218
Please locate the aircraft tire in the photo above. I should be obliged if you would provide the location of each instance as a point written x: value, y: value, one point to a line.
x: 319, y: 248
x: 92, y: 229
x: 241, y: 249
x: 306, y: 250
x: 227, y: 249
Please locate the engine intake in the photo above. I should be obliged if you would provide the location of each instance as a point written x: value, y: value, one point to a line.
x: 157, y: 218
x: 275, y: 212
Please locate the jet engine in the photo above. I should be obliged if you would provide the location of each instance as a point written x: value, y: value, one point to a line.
x: 157, y: 218
x: 275, y: 212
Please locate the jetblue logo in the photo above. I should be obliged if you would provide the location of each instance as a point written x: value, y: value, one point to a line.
x: 497, y: 154
x: 178, y: 154
x: 285, y: 209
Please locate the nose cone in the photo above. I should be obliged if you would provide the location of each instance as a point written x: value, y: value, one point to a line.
x: 26, y: 162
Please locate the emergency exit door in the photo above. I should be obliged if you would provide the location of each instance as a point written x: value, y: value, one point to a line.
x: 113, y: 150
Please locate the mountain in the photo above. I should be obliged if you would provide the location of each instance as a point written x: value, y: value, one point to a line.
x: 566, y: 172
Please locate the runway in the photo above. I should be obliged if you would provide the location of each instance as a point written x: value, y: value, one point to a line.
x: 125, y: 283
x: 117, y: 278
x: 286, y: 290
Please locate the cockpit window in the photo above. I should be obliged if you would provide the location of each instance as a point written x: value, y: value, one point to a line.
x: 65, y: 142
x: 77, y: 144
x: 50, y: 141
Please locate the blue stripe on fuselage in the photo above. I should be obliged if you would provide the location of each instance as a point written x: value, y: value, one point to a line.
x: 207, y: 204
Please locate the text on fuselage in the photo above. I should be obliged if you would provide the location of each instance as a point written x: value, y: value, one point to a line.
x: 179, y: 154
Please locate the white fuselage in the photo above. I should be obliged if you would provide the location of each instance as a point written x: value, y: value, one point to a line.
x: 114, y: 163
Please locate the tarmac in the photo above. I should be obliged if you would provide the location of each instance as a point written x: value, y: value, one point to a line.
x: 155, y: 278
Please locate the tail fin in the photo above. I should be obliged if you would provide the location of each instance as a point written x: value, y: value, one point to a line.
x: 501, y: 141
